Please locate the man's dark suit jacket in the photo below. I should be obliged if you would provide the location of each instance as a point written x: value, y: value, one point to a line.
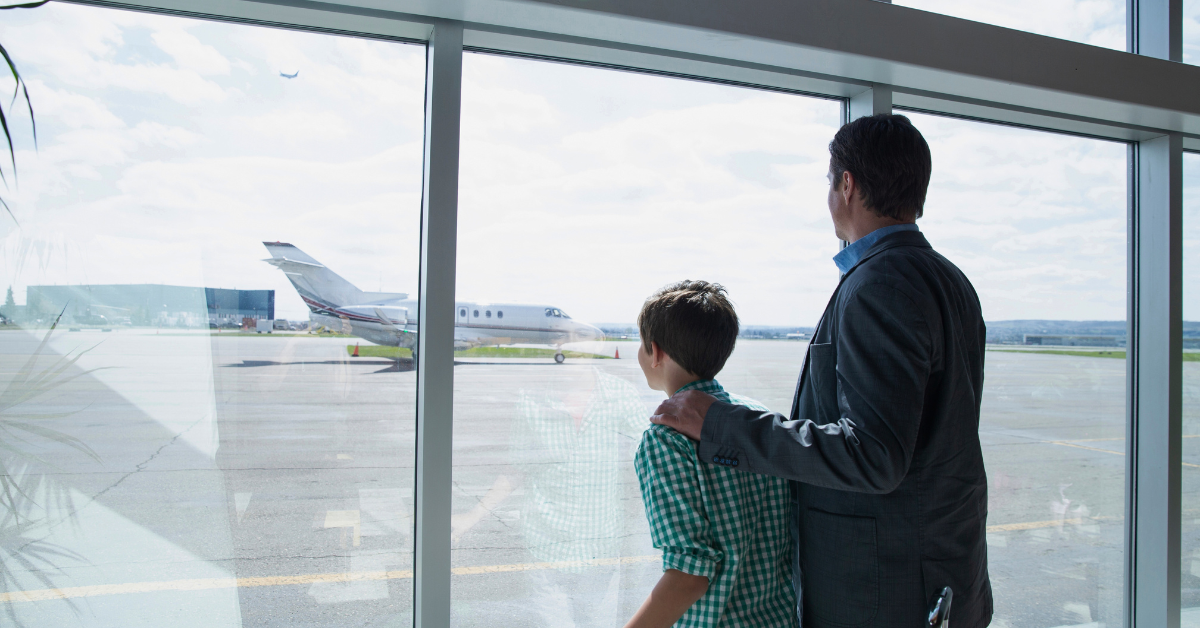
x: 882, y: 444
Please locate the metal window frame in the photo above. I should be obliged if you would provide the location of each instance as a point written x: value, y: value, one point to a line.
x: 874, y: 57
x: 1154, y: 369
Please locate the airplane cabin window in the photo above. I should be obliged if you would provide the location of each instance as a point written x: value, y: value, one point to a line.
x: 476, y: 313
x: 462, y: 313
x: 488, y: 314
x: 180, y: 449
x: 499, y: 314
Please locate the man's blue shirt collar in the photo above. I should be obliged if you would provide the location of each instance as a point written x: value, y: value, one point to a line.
x: 849, y: 257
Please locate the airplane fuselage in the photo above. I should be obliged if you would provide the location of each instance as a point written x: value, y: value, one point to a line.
x: 392, y: 318
x: 395, y: 323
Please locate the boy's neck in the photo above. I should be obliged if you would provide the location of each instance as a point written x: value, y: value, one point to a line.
x: 676, y: 381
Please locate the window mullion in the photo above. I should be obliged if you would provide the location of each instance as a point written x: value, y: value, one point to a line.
x: 435, y: 357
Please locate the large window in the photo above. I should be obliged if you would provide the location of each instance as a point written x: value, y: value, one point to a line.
x: 192, y: 443
x: 1095, y: 22
x: 583, y: 192
x: 1191, y: 32
x: 1190, y: 503
x: 1037, y: 222
x: 209, y: 273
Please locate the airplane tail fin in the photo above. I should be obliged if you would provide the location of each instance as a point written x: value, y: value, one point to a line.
x: 321, y: 288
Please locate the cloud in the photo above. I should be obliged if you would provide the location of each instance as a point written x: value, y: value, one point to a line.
x: 580, y: 187
x: 1095, y: 22
x: 189, y: 53
x: 83, y: 47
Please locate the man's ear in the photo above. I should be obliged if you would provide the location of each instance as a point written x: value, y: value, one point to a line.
x: 849, y: 186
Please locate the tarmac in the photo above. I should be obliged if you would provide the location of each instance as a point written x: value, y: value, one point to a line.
x: 268, y: 481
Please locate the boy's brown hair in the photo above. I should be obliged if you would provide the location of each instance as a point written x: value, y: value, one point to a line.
x: 694, y: 323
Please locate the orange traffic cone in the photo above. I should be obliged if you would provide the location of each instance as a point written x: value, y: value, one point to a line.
x: 355, y: 351
x: 617, y: 354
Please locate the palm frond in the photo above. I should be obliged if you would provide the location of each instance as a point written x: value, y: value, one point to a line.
x: 19, y: 88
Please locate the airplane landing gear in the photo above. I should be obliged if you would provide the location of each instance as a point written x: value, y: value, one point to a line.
x: 559, y: 357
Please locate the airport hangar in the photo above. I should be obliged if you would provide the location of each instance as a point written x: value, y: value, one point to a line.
x: 150, y: 304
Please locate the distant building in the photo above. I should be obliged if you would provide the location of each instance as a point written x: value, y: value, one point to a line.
x: 1062, y: 340
x: 149, y: 305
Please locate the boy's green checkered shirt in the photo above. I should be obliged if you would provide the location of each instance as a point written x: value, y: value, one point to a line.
x: 729, y: 526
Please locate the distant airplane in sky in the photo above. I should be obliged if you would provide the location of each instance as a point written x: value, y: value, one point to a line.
x: 292, y: 75
x: 389, y: 318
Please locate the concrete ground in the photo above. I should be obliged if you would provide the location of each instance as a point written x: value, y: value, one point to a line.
x: 268, y: 481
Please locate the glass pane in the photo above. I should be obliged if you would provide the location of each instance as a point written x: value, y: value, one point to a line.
x: 1037, y: 222
x: 1191, y: 31
x: 1190, y: 529
x: 1096, y: 22
x: 193, y: 444
x: 582, y: 192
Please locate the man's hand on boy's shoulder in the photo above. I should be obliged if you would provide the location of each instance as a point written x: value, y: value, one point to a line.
x: 684, y: 412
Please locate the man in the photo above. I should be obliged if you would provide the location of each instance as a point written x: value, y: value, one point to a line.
x: 882, y: 443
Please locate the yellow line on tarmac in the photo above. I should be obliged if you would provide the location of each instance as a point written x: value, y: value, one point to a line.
x: 1052, y: 523
x: 1109, y: 451
x: 1066, y: 444
x: 204, y: 584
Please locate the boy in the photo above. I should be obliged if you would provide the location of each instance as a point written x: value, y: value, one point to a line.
x: 724, y: 534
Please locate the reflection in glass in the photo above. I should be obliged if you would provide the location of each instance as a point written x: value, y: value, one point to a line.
x: 1096, y: 22
x: 181, y: 445
x: 1037, y: 222
x: 1190, y: 501
x: 584, y: 191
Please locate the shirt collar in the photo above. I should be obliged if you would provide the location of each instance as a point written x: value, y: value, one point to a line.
x: 849, y: 257
x: 709, y: 386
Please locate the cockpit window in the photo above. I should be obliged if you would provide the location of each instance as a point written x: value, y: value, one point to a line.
x: 557, y: 312
x: 549, y: 312
x: 564, y: 314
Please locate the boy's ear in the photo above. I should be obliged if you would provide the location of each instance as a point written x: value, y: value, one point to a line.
x: 657, y: 355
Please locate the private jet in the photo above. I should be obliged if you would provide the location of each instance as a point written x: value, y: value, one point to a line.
x: 390, y: 318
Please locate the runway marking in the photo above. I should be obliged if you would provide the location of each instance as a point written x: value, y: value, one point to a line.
x: 207, y: 584
x: 198, y: 584
x: 1109, y: 451
x: 1066, y: 444
x: 1052, y: 523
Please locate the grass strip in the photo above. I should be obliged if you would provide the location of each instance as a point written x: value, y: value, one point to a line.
x: 395, y: 353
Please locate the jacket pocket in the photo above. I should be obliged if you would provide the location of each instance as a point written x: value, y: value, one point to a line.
x: 841, y: 568
x: 822, y: 372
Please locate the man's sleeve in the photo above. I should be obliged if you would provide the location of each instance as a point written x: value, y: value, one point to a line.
x: 857, y: 435
x: 671, y: 490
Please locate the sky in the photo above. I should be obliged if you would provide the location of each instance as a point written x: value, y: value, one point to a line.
x: 169, y: 149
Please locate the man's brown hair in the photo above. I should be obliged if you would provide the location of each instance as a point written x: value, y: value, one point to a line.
x: 890, y: 161
x: 694, y: 323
